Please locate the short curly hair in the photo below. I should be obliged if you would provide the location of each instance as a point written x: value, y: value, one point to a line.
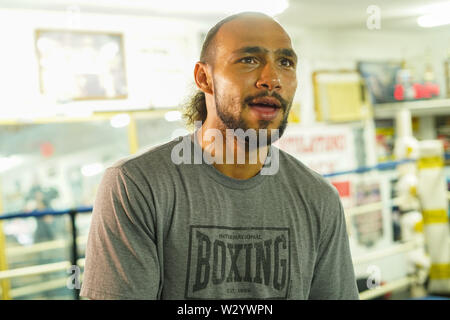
x: 195, y: 109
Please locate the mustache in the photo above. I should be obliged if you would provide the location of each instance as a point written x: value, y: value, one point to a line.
x: 282, y: 101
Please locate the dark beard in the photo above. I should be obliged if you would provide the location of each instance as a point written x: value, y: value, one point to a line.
x: 232, y: 122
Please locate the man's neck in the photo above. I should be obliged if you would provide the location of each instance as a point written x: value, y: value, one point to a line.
x: 232, y: 165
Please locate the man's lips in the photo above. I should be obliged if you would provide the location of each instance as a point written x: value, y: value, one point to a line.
x: 264, y: 112
x: 269, y: 102
x: 265, y: 108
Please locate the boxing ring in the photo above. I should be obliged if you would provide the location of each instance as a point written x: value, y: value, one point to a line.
x: 76, y: 241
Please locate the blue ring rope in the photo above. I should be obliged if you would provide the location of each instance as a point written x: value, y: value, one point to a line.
x: 40, y: 213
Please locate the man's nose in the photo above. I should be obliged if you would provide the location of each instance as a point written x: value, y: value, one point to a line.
x: 269, y: 79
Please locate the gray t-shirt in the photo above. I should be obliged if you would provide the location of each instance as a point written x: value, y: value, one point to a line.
x: 162, y: 230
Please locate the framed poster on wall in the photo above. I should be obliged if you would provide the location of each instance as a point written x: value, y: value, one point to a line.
x: 81, y: 65
x: 339, y: 96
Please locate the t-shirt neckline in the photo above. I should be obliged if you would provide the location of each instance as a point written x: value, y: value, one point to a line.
x: 219, y: 176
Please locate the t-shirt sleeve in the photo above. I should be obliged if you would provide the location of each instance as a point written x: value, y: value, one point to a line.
x: 121, y: 252
x: 334, y: 277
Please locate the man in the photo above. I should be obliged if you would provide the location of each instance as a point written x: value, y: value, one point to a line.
x: 166, y: 226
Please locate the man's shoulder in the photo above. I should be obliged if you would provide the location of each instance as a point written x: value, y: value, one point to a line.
x: 155, y: 158
x: 295, y: 171
x: 322, y: 197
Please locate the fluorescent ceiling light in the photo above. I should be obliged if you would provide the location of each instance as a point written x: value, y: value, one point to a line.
x: 173, y: 116
x: 120, y: 120
x: 92, y: 169
x: 434, y: 20
x: 268, y: 7
x: 436, y: 15
x: 7, y: 163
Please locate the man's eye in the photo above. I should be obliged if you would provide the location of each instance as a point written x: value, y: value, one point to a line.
x: 248, y: 60
x: 287, y: 63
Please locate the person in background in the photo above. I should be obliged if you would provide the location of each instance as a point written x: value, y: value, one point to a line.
x: 48, y: 228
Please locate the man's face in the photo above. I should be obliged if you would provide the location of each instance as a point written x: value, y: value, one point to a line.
x: 254, y: 74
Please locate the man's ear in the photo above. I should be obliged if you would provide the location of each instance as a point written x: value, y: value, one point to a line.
x: 202, y: 77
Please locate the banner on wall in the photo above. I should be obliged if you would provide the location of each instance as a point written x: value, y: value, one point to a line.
x: 324, y: 149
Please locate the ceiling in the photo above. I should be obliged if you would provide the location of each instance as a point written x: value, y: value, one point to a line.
x: 395, y: 14
x: 352, y: 14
